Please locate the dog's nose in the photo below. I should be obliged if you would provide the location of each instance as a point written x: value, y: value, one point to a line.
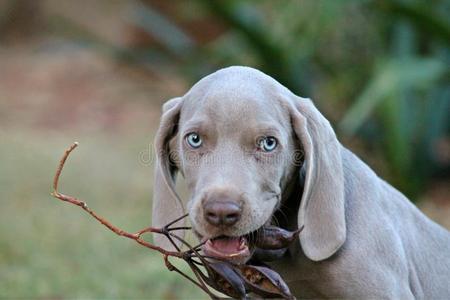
x: 222, y: 213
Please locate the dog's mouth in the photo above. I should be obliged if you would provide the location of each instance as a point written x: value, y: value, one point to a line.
x: 229, y: 248
x: 269, y: 242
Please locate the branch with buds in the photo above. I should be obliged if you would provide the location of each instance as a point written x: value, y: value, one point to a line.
x: 226, y: 277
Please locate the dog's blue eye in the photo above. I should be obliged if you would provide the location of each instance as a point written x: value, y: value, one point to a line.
x: 194, y: 140
x: 268, y: 143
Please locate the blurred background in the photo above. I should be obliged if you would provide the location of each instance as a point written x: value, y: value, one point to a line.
x: 98, y: 71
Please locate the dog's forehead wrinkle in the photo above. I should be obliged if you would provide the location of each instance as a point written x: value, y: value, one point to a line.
x: 197, y: 122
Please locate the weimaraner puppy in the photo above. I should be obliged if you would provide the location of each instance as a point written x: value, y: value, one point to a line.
x: 236, y: 136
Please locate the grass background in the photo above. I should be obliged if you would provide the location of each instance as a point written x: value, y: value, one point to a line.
x: 50, y: 249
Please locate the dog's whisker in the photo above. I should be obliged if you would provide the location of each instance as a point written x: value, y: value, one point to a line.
x: 275, y: 220
x: 281, y: 211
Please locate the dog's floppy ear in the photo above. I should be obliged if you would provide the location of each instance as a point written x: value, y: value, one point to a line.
x: 321, y: 209
x: 167, y: 206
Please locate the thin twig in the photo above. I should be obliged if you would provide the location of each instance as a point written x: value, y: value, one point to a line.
x: 179, y: 228
x: 176, y: 220
x: 171, y: 267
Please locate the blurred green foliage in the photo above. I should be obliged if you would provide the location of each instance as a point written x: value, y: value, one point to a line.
x: 377, y: 68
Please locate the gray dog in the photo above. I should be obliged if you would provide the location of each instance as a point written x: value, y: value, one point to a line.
x: 237, y: 138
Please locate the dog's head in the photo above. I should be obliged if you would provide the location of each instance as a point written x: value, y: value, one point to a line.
x: 237, y: 137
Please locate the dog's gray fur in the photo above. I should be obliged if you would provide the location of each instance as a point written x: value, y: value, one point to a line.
x: 361, y: 239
